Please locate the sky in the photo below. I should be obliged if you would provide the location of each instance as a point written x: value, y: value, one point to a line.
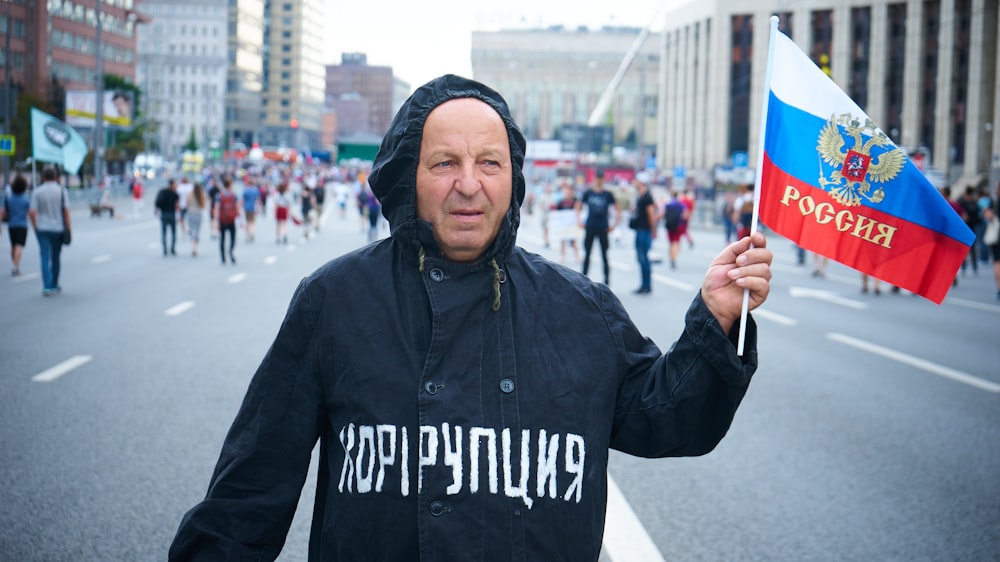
x: 424, y: 39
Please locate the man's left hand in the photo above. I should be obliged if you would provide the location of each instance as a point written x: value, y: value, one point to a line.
x: 737, y: 268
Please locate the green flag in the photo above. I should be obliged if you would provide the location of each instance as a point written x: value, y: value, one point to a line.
x: 55, y: 141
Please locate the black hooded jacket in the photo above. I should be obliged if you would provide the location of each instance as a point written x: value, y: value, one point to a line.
x: 463, y: 411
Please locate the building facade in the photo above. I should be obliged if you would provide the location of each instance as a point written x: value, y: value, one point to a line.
x: 53, y: 44
x: 555, y: 76
x: 925, y: 71
x: 245, y: 74
x: 294, y: 77
x: 183, y: 64
x: 355, y: 82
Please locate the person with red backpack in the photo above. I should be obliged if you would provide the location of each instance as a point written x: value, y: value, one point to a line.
x: 226, y: 213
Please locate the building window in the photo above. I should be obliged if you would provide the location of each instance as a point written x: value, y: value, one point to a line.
x: 896, y: 40
x: 928, y: 82
x: 822, y: 39
x: 857, y: 86
x: 960, y: 79
x: 740, y: 70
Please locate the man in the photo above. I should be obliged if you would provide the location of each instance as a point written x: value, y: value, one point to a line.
x: 644, y: 224
x: 184, y: 189
x: 167, y: 205
x: 465, y: 392
x: 49, y: 216
x: 598, y: 223
x: 227, y: 212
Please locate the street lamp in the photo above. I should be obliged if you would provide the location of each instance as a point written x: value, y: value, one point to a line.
x: 99, y: 109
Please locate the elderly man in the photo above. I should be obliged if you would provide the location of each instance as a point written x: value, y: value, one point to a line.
x: 464, y: 392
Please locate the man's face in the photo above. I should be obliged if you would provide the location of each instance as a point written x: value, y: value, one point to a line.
x: 464, y: 177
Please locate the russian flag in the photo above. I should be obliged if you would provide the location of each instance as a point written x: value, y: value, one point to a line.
x: 835, y: 184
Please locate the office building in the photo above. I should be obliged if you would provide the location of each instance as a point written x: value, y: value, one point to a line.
x: 183, y: 65
x: 294, y: 77
x: 925, y: 71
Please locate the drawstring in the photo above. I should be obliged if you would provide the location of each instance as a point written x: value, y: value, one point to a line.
x: 498, y: 278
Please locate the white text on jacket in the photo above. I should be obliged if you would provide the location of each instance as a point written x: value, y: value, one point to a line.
x: 370, y: 451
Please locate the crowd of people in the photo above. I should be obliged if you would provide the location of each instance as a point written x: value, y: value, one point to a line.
x: 575, y: 212
x: 223, y: 204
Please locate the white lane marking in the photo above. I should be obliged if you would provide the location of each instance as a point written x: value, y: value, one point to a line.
x: 27, y: 277
x: 663, y: 279
x: 625, y: 539
x: 828, y: 296
x: 61, y: 369
x: 775, y: 317
x: 238, y: 278
x: 928, y: 366
x: 973, y: 304
x: 180, y: 308
x: 270, y: 260
x: 101, y: 259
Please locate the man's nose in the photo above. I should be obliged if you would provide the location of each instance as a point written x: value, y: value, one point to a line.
x: 467, y: 181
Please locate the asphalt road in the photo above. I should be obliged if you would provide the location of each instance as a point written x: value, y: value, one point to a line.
x: 869, y: 433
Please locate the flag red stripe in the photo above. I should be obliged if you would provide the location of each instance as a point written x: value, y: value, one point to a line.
x: 917, y: 259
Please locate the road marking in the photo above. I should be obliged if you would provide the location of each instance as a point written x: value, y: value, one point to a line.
x: 270, y: 260
x: 61, y: 369
x: 775, y: 317
x: 932, y: 368
x: 664, y: 280
x: 625, y: 539
x: 973, y: 304
x: 238, y: 278
x: 101, y: 259
x: 828, y: 296
x: 180, y: 308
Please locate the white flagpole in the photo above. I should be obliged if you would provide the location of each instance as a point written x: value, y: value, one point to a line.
x: 758, y: 172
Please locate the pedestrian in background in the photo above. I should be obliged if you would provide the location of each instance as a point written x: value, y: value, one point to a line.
x: 643, y: 221
x: 673, y: 221
x: 184, y: 188
x: 602, y: 218
x: 167, y: 206
x: 251, y: 194
x: 136, y: 192
x: 49, y: 216
x: 227, y: 213
x: 196, y: 202
x: 563, y: 222
x: 282, y: 206
x: 16, y: 203
x: 991, y: 237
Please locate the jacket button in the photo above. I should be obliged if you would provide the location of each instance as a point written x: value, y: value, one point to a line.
x: 430, y: 387
x: 507, y: 386
x: 438, y: 508
x: 437, y: 275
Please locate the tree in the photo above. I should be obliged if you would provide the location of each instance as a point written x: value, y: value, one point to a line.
x: 192, y: 142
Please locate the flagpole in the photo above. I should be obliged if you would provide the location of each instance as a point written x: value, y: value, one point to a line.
x: 758, y: 172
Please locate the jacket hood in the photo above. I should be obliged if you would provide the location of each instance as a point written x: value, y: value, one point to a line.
x: 394, y: 173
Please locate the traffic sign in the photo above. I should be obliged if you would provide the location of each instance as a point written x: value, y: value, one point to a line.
x: 7, y: 143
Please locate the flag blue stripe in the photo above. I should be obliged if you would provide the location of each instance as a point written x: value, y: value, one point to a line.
x: 791, y: 143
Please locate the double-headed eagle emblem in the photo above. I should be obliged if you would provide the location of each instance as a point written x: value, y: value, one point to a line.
x: 858, y: 173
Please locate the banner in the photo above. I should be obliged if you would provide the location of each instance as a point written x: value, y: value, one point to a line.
x: 835, y: 184
x: 81, y: 108
x: 55, y: 141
